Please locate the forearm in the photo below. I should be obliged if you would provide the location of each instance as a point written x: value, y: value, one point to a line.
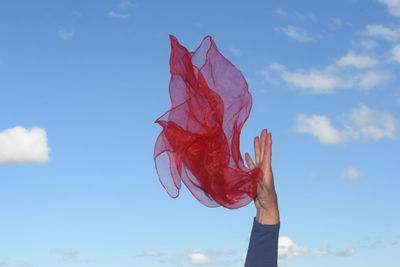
x: 270, y: 216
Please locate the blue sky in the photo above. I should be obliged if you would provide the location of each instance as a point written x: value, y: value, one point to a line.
x: 82, y: 82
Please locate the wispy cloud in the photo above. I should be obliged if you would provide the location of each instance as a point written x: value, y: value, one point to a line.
x: 64, y: 34
x: 125, y: 5
x: 360, y: 124
x: 396, y: 53
x: 76, y: 13
x: 281, y: 12
x: 6, y: 262
x: 116, y: 15
x: 351, y: 71
x: 345, y: 253
x: 123, y: 8
x: 22, y: 264
x: 297, y: 33
x: 68, y: 254
x: 380, y: 242
x: 72, y: 256
x: 338, y: 23
x: 21, y: 145
x: 319, y: 253
x: 151, y: 253
x: 352, y: 173
x: 236, y: 51
x: 297, y: 15
x: 393, y: 6
x: 18, y: 263
x: 390, y: 34
x: 368, y: 44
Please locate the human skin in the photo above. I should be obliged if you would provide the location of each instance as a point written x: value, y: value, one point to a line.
x: 266, y: 201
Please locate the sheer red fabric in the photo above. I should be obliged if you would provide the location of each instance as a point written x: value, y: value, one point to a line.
x: 199, y: 143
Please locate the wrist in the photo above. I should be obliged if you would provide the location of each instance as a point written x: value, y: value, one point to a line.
x: 267, y: 216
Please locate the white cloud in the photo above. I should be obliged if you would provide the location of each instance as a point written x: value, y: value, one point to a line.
x: 364, y: 123
x: 206, y: 256
x: 370, y: 79
x: 199, y: 258
x: 151, y: 253
x: 287, y: 249
x: 393, y: 6
x: 64, y: 34
x: 319, y: 253
x: 361, y: 124
x: 314, y: 81
x: 236, y: 51
x: 345, y: 253
x: 356, y: 60
x: 352, y: 174
x: 320, y: 127
x: 396, y: 53
x: 332, y: 77
x: 248, y: 235
x: 116, y: 15
x: 382, y: 31
x: 296, y: 33
x: 244, y: 255
x: 125, y: 4
x: 368, y: 44
x: 20, y: 145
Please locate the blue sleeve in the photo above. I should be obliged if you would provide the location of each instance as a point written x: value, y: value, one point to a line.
x: 263, y: 245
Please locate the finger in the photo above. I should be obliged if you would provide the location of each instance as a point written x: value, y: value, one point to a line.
x: 270, y: 149
x: 263, y: 143
x: 257, y: 149
x: 249, y: 161
x: 268, y: 153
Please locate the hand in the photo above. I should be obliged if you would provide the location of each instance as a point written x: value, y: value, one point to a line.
x: 266, y: 201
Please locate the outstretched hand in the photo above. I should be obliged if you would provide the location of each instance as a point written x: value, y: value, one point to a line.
x: 266, y: 201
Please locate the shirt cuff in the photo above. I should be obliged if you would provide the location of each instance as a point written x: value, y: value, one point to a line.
x: 265, y: 227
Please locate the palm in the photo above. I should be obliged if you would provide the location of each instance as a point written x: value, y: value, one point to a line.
x: 266, y: 195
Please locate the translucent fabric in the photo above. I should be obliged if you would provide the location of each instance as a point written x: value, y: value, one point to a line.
x: 200, y: 141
